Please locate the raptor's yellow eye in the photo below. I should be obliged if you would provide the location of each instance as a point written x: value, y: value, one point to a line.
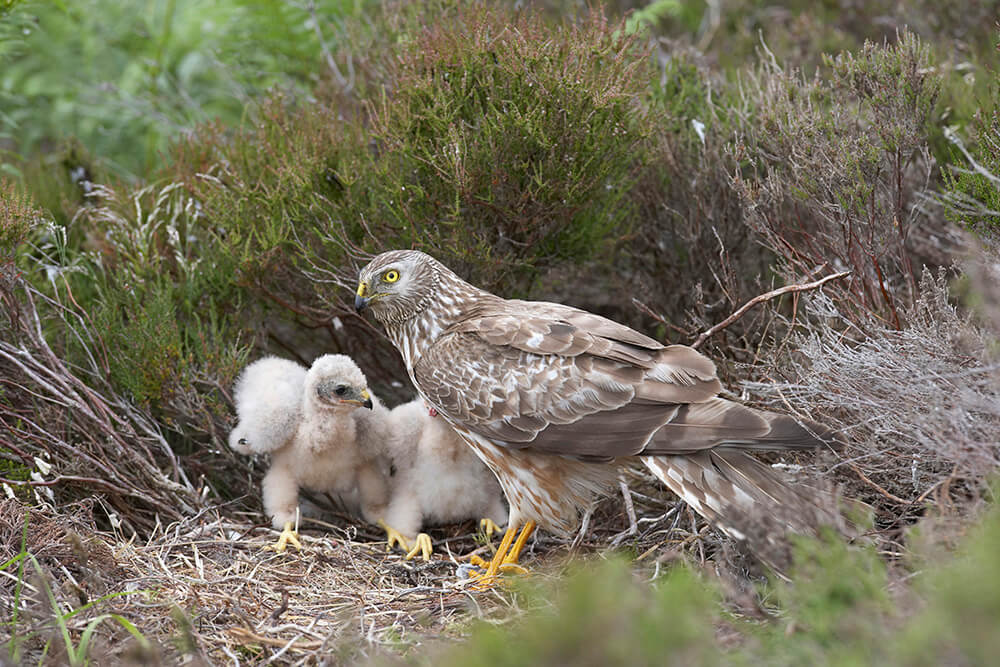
x: 390, y: 276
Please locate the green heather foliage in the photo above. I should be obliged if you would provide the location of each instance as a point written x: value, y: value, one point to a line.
x: 258, y: 187
x: 559, y: 105
x: 17, y: 217
x: 973, y: 184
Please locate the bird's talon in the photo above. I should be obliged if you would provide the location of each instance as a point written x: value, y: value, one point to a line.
x: 481, y: 581
x: 477, y: 561
x: 423, y: 546
x: 288, y: 536
x: 393, y: 537
x: 488, y: 527
x: 512, y: 568
x: 504, y: 560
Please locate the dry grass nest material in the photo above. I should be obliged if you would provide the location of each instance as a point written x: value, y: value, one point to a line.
x: 206, y: 587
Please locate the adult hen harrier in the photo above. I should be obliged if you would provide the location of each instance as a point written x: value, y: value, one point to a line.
x: 546, y: 393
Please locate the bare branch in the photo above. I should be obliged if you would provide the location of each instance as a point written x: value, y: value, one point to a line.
x: 787, y: 289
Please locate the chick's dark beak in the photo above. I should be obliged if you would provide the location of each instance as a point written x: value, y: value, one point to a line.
x: 336, y: 393
x: 364, y: 398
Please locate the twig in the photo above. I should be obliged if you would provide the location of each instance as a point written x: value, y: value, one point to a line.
x: 659, y: 318
x: 787, y: 289
x: 346, y: 83
x: 245, y: 636
x: 633, y: 524
x: 867, y: 480
x: 282, y: 608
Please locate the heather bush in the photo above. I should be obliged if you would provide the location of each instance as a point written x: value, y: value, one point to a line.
x: 836, y: 168
x: 691, y: 232
x: 916, y: 392
x: 63, y: 421
x: 301, y: 195
x: 560, y: 104
x: 972, y: 194
x: 918, y: 406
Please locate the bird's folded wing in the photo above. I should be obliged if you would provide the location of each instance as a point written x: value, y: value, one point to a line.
x: 550, y: 385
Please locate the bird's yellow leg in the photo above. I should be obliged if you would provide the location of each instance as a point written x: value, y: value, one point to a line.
x: 506, y: 557
x: 288, y: 536
x: 393, y: 537
x: 494, y: 564
x: 422, y: 546
x: 488, y: 577
x: 515, y: 551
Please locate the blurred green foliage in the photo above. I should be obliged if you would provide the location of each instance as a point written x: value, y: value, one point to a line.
x: 125, y: 78
x: 601, y: 615
x: 837, y: 610
x: 961, y: 604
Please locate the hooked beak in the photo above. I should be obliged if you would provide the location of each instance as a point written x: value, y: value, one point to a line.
x: 363, y: 399
x: 368, y: 399
x: 327, y: 392
x: 361, y: 299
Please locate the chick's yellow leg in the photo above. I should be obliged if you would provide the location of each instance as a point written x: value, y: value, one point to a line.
x: 288, y: 536
x: 489, y: 527
x: 393, y: 537
x: 422, y: 545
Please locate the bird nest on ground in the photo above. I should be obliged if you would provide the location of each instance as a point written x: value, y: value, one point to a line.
x: 206, y: 588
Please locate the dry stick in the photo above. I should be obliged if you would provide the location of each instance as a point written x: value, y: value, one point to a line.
x: 633, y: 526
x: 282, y: 608
x: 760, y: 299
x: 345, y: 83
x: 867, y: 480
x: 659, y: 318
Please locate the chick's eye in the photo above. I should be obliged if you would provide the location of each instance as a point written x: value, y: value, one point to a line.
x: 340, y: 390
x: 390, y: 276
